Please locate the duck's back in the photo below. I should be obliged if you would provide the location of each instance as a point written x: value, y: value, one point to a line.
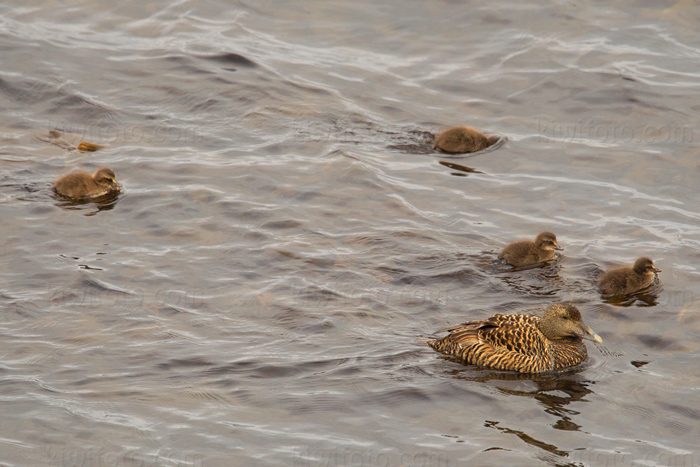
x: 510, y: 342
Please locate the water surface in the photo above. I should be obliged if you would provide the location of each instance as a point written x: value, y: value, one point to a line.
x: 286, y: 239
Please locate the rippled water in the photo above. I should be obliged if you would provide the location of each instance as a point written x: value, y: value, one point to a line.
x: 286, y: 240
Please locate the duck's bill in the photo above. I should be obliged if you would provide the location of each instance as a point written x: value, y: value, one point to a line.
x: 596, y: 338
x: 590, y: 335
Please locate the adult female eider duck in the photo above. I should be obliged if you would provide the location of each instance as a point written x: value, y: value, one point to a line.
x: 80, y: 185
x: 527, y: 252
x: 625, y: 280
x: 522, y: 343
x: 461, y: 139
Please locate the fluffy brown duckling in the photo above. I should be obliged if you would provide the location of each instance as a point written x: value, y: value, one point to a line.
x: 80, y: 185
x: 523, y: 343
x: 461, y: 139
x: 625, y: 280
x: 527, y: 252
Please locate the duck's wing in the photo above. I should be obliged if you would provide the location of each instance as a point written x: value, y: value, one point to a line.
x: 515, y: 333
x: 520, y: 336
x: 460, y: 338
x: 495, y: 320
x: 504, y: 342
x: 462, y: 326
x: 466, y: 332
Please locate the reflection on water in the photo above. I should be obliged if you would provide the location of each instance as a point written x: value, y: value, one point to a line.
x: 526, y: 438
x: 645, y: 298
x: 553, y: 392
x: 92, y: 206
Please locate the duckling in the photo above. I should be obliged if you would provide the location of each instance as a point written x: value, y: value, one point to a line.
x: 526, y: 252
x: 79, y: 185
x: 461, y: 139
x: 625, y: 280
x: 522, y: 343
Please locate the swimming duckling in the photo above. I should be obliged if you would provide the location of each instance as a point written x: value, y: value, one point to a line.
x: 625, y: 280
x: 526, y: 252
x: 79, y: 185
x: 461, y: 139
x: 522, y: 343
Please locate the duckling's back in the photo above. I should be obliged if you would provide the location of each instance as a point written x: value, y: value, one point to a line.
x: 74, y: 185
x: 523, y: 253
x: 623, y: 280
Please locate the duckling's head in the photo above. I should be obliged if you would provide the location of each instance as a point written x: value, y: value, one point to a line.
x: 645, y: 266
x: 563, y: 320
x: 547, y: 241
x: 492, y: 139
x: 106, y: 178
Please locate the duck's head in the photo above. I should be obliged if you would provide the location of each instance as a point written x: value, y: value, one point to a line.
x: 547, y: 241
x: 106, y: 178
x: 563, y: 320
x: 645, y: 266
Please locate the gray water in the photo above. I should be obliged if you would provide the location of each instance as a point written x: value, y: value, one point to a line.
x: 286, y: 240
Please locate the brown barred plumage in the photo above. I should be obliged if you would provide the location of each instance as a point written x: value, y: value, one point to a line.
x: 522, y: 343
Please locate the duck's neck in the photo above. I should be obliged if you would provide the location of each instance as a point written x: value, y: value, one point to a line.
x: 545, y: 328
